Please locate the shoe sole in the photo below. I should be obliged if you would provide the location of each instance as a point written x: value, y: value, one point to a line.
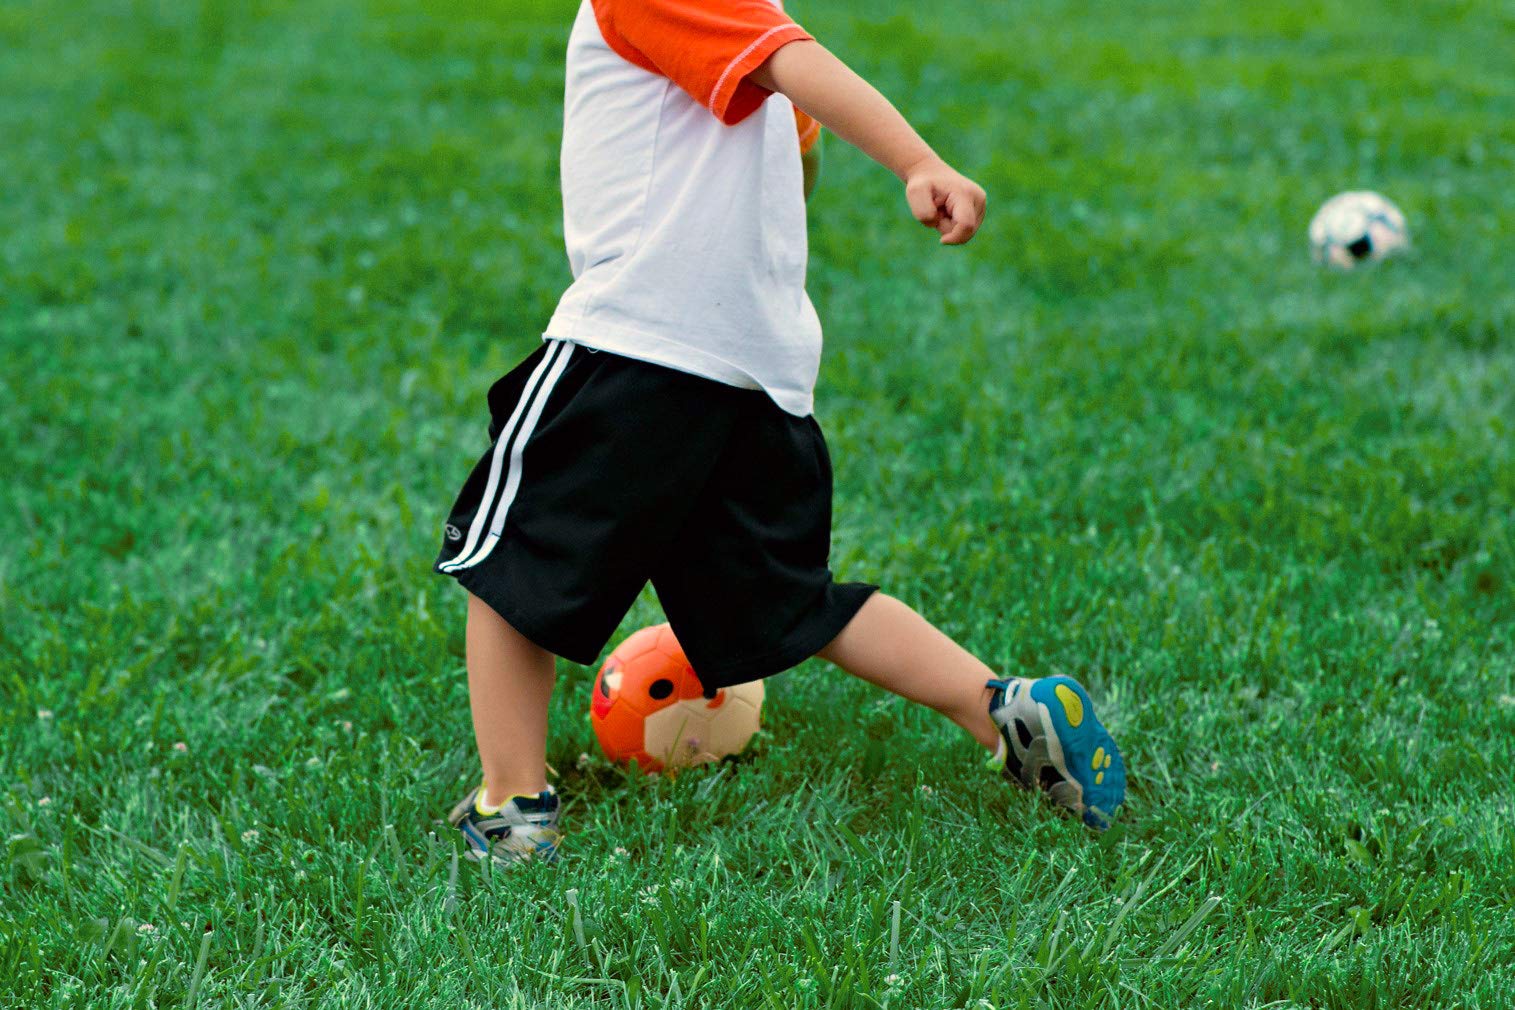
x: 1080, y: 747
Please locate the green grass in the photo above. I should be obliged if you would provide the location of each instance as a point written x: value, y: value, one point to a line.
x: 258, y: 264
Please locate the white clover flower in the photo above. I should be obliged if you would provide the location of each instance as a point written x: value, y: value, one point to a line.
x: 147, y: 927
x: 314, y: 762
x: 250, y: 835
x: 893, y: 981
x: 181, y: 747
x: 927, y: 790
x: 44, y: 714
x: 623, y: 852
x: 583, y: 760
x: 45, y: 801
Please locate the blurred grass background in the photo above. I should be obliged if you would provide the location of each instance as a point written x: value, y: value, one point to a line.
x: 259, y: 263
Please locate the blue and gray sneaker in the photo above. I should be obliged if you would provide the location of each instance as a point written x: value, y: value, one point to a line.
x: 525, y: 828
x: 1050, y: 739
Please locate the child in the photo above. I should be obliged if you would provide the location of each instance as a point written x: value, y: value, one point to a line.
x: 663, y: 430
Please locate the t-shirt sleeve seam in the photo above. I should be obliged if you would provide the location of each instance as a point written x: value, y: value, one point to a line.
x: 748, y: 60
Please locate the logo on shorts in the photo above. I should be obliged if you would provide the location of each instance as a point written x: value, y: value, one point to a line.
x: 452, y: 532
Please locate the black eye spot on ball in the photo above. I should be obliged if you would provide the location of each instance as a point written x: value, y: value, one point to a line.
x: 660, y: 688
x: 1360, y: 248
x: 604, y: 687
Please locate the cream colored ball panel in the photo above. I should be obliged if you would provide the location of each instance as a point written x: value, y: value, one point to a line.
x: 751, y: 693
x: 691, y: 732
x: 678, y: 734
x: 731, y: 727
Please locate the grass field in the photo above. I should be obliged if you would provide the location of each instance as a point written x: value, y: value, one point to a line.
x: 258, y: 265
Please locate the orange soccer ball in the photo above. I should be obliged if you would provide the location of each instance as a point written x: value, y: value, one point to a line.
x: 650, y: 707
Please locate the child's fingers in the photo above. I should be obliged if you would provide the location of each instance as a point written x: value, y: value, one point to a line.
x: 922, y: 200
x: 946, y: 201
x: 965, y: 213
x: 958, y: 233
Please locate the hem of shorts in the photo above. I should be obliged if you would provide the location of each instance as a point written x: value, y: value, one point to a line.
x: 810, y: 639
x: 520, y: 621
x: 639, y: 345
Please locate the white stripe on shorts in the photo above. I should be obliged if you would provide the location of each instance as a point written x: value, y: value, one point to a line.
x: 486, y: 502
x: 513, y: 477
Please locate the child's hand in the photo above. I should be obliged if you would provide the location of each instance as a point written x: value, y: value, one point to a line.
x: 942, y: 198
x: 836, y: 97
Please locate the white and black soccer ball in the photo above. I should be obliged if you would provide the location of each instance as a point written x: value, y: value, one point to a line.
x: 1357, y: 227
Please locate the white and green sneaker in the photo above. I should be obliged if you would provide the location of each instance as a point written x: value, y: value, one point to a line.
x: 525, y: 828
x: 1050, y: 739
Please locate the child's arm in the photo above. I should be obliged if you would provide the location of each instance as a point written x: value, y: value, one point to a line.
x: 828, y: 90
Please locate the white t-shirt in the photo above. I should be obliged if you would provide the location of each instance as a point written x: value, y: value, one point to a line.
x: 683, y: 202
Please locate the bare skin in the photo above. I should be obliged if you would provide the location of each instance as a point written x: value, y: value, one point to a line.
x: 892, y: 647
x: 510, y: 681
x: 830, y: 92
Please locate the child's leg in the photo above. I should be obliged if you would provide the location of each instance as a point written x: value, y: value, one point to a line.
x: 890, y: 645
x: 509, y: 685
x: 1052, y: 739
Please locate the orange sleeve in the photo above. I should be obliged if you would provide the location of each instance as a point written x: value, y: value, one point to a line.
x: 809, y: 130
x: 706, y: 47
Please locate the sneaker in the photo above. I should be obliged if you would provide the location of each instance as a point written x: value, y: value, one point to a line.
x: 1050, y: 739
x: 525, y: 828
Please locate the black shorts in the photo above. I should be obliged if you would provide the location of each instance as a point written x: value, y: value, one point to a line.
x: 604, y: 472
